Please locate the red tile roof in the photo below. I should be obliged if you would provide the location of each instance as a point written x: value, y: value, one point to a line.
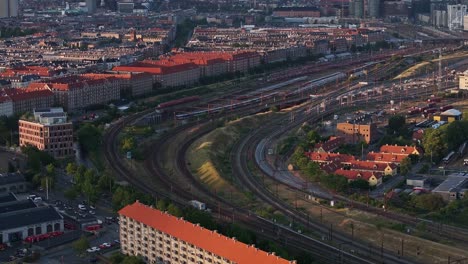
x: 20, y: 95
x: 354, y: 174
x: 399, y: 149
x: 386, y: 157
x: 371, y: 165
x: 329, y: 157
x: 211, y: 241
x: 330, y: 145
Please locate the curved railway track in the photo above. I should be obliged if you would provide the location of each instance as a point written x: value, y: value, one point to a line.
x: 226, y: 210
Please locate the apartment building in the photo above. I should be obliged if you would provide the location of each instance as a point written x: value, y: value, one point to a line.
x: 135, y: 84
x: 27, y: 100
x: 166, y: 72
x: 162, y: 238
x: 79, y: 91
x: 48, y: 130
x: 354, y: 133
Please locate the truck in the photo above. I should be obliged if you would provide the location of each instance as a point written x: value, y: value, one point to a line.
x: 198, y: 205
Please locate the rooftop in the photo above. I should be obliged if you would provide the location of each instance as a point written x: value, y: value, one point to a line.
x: 8, y: 178
x: 211, y: 241
x: 451, y: 112
x: 30, y: 216
x: 7, y: 198
x: 16, y: 206
x: 451, y: 184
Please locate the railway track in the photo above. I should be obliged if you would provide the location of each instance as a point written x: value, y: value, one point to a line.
x: 180, y: 195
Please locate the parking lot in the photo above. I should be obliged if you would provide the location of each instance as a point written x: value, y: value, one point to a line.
x: 78, y: 214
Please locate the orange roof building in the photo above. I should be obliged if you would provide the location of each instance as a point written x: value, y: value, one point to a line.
x: 374, y: 178
x: 330, y: 145
x: 160, y: 237
x: 330, y: 157
x: 404, y: 150
x: 386, y: 157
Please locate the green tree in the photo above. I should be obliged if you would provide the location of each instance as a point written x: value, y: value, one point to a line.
x: 128, y: 144
x: 105, y: 181
x: 70, y: 194
x: 132, y: 260
x: 117, y: 258
x: 313, y: 137
x: 174, y: 210
x: 428, y: 202
x: 89, y: 137
x: 71, y: 168
x: 434, y: 144
x: 396, y: 124
x: 359, y: 184
x: 456, y: 133
x: 405, y: 166
x: 161, y: 205
x: 81, y: 245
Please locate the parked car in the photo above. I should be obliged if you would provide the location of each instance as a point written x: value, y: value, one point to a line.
x: 92, y: 212
x: 93, y: 249
x: 105, y: 245
x: 81, y: 207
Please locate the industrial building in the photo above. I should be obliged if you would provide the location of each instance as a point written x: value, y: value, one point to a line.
x: 48, y: 130
x: 448, y: 116
x: 8, y: 8
x: 159, y: 237
x: 22, y: 218
x: 12, y: 183
x: 453, y: 188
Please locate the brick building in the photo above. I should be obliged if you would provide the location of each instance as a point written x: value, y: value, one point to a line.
x: 48, y: 130
x: 354, y: 133
x: 162, y: 238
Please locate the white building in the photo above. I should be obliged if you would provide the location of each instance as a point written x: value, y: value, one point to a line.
x: 455, y: 14
x: 465, y: 23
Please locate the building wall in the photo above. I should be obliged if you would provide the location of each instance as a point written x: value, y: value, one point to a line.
x: 353, y: 133
x: 17, y: 187
x: 27, y: 105
x: 57, y: 140
x: 463, y: 81
x: 455, y: 16
x: 139, y: 239
x: 31, y: 230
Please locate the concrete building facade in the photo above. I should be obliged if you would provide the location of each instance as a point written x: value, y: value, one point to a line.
x: 162, y: 238
x: 455, y: 16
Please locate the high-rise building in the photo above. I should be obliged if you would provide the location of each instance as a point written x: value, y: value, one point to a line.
x: 374, y: 8
x: 8, y: 8
x: 48, y: 130
x: 91, y: 5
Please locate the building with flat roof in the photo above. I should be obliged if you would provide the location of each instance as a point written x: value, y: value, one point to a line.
x: 449, y: 116
x: 20, y: 219
x: 162, y: 238
x: 12, y: 183
x: 355, y: 133
x: 453, y: 188
x: 48, y: 130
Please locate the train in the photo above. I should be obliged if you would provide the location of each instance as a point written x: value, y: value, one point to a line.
x: 183, y: 100
x: 449, y: 157
x: 307, y: 86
